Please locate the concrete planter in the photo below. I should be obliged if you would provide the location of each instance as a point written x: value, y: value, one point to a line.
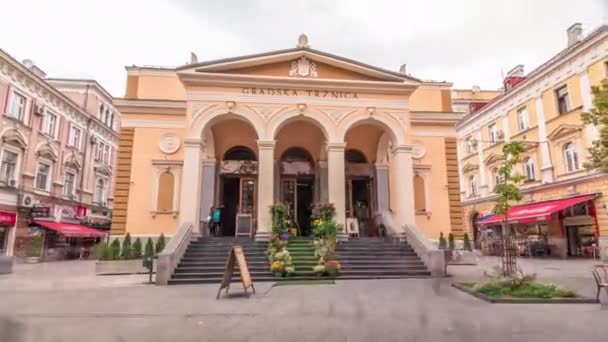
x: 116, y: 267
x: 576, y: 300
x: 6, y: 264
x: 462, y: 257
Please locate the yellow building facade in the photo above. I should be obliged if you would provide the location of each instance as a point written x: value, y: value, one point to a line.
x: 297, y: 126
x: 542, y: 110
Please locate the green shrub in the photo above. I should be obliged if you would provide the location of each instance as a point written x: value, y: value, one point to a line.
x: 126, y: 252
x: 102, y: 251
x: 115, y: 250
x: 149, y: 249
x: 136, y: 247
x: 280, y: 218
x: 160, y: 243
x: 442, y: 242
x: 451, y: 241
x: 466, y: 242
x: 323, y: 211
x: 34, y: 246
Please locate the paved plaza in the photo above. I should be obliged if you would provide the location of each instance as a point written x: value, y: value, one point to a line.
x: 53, y: 305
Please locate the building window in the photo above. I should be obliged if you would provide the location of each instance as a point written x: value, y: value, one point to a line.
x: 166, y: 183
x: 49, y: 123
x: 106, y: 154
x: 563, y: 105
x: 522, y: 119
x: 529, y: 169
x: 42, y: 176
x: 570, y: 157
x: 496, y: 177
x: 493, y: 133
x: 9, y: 165
x: 17, y: 107
x: 419, y: 194
x: 74, y: 137
x: 100, y: 191
x: 111, y: 123
x: 68, y: 184
x: 472, y: 186
x: 471, y: 145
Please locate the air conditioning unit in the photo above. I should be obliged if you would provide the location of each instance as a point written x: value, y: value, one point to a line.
x: 12, y: 183
x: 500, y: 134
x: 39, y: 108
x: 26, y: 201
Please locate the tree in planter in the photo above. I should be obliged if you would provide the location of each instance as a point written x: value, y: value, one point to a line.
x: 126, y: 252
x: 136, y: 247
x: 466, y: 242
x: 442, y: 242
x: 115, y: 250
x: 102, y: 251
x: 598, y: 116
x: 149, y: 249
x: 451, y: 241
x: 507, y: 191
x: 160, y: 243
x: 34, y: 247
x: 280, y: 219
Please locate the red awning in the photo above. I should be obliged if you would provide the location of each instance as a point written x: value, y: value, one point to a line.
x: 69, y: 229
x: 535, y: 212
x: 8, y: 218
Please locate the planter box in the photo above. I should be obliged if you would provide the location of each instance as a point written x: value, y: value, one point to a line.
x: 579, y: 300
x: 462, y: 257
x: 6, y: 264
x: 115, y: 267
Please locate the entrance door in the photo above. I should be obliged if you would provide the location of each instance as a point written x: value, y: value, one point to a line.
x: 359, y: 201
x: 297, y: 196
x: 230, y: 201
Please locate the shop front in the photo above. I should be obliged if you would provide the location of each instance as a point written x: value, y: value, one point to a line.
x: 558, y: 228
x: 65, y: 241
x: 7, y: 227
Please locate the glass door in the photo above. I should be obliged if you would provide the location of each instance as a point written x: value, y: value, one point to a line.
x: 289, y: 196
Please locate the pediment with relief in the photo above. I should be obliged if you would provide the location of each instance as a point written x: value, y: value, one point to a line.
x: 564, y: 130
x: 469, y: 168
x: 493, y: 158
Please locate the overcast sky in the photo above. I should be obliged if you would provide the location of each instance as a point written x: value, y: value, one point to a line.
x: 468, y: 42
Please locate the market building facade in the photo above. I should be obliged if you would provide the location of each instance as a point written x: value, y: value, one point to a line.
x: 297, y: 126
x: 57, y: 153
x: 563, y: 210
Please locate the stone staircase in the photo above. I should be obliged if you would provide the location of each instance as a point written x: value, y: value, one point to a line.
x: 365, y: 258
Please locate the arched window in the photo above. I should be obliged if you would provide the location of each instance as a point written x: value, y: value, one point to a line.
x: 296, y: 154
x: 570, y: 157
x: 239, y: 153
x: 100, y: 191
x: 166, y: 183
x: 419, y: 194
x: 496, y: 177
x: 529, y: 169
x: 472, y: 186
x: 354, y: 156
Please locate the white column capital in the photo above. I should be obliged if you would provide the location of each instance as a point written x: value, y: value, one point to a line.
x: 381, y: 166
x: 193, y: 143
x: 336, y: 147
x: 266, y: 144
x: 209, y: 162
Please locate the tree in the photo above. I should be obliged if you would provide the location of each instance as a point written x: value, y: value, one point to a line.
x: 136, y: 248
x: 451, y: 241
x: 442, y: 242
x: 126, y: 247
x: 160, y: 243
x: 149, y: 250
x: 466, y: 242
x: 598, y: 116
x: 115, y: 250
x: 508, y: 191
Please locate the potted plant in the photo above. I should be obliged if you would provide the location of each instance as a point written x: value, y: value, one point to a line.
x: 34, y: 249
x: 280, y: 221
x: 318, y: 270
x: 332, y: 267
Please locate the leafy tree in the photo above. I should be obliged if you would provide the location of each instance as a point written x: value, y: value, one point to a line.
x: 149, y: 249
x: 160, y: 243
x: 115, y: 250
x: 508, y: 191
x: 136, y: 247
x: 451, y: 241
x: 466, y: 242
x: 598, y: 116
x: 442, y: 242
x: 126, y: 247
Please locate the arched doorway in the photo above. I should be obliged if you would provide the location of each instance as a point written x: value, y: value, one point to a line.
x: 359, y: 193
x: 297, y: 169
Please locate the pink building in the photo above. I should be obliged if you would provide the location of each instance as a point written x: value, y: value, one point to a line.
x: 58, y: 142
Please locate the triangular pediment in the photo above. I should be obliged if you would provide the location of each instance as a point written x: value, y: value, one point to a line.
x: 469, y: 167
x: 493, y: 158
x: 301, y: 63
x: 564, y: 130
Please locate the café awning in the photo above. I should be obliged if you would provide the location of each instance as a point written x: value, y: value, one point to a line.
x: 70, y: 230
x: 535, y: 212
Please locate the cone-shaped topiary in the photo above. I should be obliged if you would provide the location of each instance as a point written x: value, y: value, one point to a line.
x: 126, y: 252
x: 442, y: 242
x: 160, y: 243
x: 115, y: 250
x: 149, y: 249
x: 136, y: 247
x: 466, y: 242
x: 451, y: 241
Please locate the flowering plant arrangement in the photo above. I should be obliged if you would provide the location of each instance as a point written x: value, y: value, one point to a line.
x: 280, y: 260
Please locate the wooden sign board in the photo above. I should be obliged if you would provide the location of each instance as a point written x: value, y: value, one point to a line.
x: 236, y: 258
x: 244, y: 223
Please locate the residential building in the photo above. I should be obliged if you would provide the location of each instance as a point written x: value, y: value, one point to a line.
x: 471, y: 100
x: 58, y: 151
x: 543, y: 111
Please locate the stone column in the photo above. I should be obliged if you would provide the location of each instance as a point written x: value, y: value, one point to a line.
x: 189, y: 197
x: 382, y: 186
x: 546, y: 168
x: 404, y: 184
x: 323, y: 186
x: 266, y: 169
x: 591, y: 131
x: 336, y: 179
x: 207, y: 192
x: 483, y: 181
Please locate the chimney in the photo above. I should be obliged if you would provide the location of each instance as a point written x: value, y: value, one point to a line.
x: 514, y: 77
x: 28, y: 63
x: 575, y: 33
x: 402, y: 69
x: 193, y: 58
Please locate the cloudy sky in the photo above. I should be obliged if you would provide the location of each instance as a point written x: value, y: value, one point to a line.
x: 468, y: 42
